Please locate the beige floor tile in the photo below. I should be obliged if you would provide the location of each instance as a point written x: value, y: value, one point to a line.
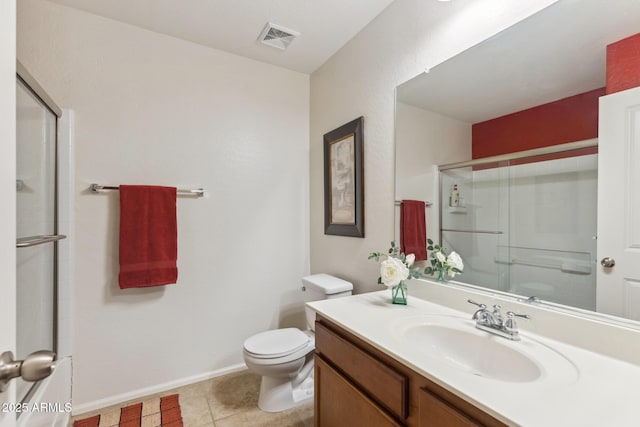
x: 195, y: 411
x: 228, y: 401
x: 255, y: 418
x: 233, y: 393
x: 302, y: 414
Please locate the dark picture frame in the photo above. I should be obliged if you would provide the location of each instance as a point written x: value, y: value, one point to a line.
x: 344, y: 180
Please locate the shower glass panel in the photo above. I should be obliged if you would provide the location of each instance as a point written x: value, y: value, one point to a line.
x: 479, y: 221
x: 526, y: 226
x: 36, y: 216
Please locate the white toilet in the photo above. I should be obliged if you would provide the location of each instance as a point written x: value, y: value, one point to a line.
x: 284, y: 357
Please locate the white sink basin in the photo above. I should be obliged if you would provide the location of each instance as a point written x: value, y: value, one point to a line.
x: 456, y: 342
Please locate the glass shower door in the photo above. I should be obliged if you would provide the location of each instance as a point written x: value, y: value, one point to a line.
x: 525, y: 225
x: 36, y: 232
x: 477, y: 224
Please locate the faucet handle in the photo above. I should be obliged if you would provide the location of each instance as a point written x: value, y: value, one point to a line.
x: 511, y: 315
x: 481, y: 312
x: 510, y: 324
x: 482, y: 306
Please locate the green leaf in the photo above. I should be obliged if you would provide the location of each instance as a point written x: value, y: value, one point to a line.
x: 429, y: 241
x: 428, y: 270
x: 375, y: 255
x: 393, y: 243
x: 379, y: 280
x: 430, y: 247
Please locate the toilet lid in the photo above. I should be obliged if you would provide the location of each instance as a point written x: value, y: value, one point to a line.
x: 276, y: 343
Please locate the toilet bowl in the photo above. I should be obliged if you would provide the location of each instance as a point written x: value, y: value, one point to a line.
x: 284, y: 357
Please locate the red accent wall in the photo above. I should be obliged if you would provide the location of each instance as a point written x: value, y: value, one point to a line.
x: 570, y: 119
x: 623, y: 64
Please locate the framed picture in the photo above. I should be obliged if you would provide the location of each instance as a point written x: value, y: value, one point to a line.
x: 344, y: 180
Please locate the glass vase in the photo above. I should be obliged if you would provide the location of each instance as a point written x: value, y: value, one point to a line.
x: 399, y: 294
x: 442, y: 277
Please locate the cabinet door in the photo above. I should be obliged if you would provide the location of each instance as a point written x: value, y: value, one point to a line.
x: 435, y: 412
x: 339, y: 403
x: 384, y: 384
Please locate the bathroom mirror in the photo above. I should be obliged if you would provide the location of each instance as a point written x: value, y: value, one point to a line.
x: 557, y: 53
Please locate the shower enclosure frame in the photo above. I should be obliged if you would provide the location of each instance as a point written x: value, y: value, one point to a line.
x: 536, y: 152
x: 500, y: 161
x: 542, y: 151
x: 34, y: 88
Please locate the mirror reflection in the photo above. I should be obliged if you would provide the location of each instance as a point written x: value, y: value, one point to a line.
x: 527, y: 226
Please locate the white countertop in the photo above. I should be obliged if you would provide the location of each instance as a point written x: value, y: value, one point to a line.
x: 577, y: 387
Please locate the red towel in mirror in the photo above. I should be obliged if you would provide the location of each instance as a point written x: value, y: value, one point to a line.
x: 148, y: 236
x: 413, y: 229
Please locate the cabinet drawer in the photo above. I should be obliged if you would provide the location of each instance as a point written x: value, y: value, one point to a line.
x: 339, y: 403
x: 435, y: 412
x: 382, y: 383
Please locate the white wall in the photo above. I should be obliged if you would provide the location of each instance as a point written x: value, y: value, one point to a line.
x: 359, y: 80
x: 157, y: 110
x: 425, y: 139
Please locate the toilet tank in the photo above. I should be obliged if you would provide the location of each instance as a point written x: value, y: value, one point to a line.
x: 323, y: 286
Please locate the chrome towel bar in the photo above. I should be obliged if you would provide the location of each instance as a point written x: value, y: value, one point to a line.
x: 26, y: 242
x: 198, y: 192
x: 426, y: 204
x: 455, y: 230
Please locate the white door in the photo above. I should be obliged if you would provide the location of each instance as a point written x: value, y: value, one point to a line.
x: 618, y: 255
x: 8, y: 196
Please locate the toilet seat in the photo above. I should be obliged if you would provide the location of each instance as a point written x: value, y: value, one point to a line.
x: 276, y: 343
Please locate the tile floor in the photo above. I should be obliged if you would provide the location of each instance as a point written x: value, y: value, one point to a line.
x: 227, y: 401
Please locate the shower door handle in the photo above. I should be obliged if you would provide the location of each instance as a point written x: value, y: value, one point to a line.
x: 35, y: 367
x: 607, y: 262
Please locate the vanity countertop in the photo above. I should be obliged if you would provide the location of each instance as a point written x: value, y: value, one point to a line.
x: 584, y: 389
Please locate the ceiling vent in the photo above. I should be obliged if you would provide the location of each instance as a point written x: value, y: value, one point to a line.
x: 276, y: 36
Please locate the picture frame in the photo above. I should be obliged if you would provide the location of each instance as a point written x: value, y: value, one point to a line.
x: 344, y: 180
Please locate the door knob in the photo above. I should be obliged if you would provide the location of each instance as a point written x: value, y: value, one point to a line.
x: 607, y: 262
x: 36, y: 366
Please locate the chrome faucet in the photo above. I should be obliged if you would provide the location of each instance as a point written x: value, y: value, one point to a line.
x: 494, y: 322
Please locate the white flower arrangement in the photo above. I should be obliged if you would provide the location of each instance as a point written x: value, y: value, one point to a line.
x: 396, y: 267
x: 442, y: 263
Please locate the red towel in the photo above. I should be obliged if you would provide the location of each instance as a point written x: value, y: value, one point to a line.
x: 148, y: 236
x: 413, y: 229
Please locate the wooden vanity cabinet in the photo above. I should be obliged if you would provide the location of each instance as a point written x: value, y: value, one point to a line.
x: 435, y: 411
x: 340, y: 403
x: 358, y: 385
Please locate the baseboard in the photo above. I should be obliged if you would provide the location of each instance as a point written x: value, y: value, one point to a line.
x: 136, y: 394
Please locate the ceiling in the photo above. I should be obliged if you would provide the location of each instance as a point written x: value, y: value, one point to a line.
x: 235, y: 25
x: 556, y: 53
